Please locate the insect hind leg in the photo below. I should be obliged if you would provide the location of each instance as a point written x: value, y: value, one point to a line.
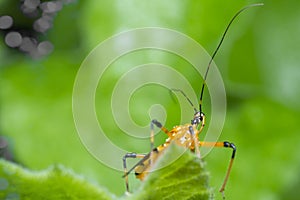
x: 129, y: 155
x: 226, y: 145
x: 145, y: 156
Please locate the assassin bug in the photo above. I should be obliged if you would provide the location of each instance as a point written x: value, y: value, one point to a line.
x: 183, y: 135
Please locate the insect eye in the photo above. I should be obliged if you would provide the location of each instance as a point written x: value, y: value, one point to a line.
x: 201, y: 116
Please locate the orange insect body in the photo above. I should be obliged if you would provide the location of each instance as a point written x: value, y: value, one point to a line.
x: 183, y: 135
x: 179, y: 135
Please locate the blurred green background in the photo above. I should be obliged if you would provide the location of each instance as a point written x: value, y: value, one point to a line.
x: 259, y: 62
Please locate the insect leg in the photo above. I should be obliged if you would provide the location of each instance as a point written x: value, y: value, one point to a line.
x: 129, y: 155
x: 187, y: 98
x: 159, y: 125
x: 227, y: 145
x: 196, y: 141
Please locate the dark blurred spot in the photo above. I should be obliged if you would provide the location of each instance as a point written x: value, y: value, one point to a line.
x: 6, y: 22
x: 28, y: 44
x: 51, y: 6
x: 29, y: 12
x: 13, y: 39
x: 44, y: 48
x: 42, y: 25
x: 33, y: 4
x: 26, y: 32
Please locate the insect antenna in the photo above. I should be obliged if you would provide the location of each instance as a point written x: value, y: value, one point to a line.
x: 217, y: 49
x: 187, y: 98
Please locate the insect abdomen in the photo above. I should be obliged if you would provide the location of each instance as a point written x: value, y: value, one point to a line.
x: 142, y: 170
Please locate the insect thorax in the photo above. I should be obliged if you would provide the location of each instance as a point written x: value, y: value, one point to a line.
x: 182, y: 136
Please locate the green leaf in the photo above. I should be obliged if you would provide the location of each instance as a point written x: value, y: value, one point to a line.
x: 183, y: 179
x: 54, y: 183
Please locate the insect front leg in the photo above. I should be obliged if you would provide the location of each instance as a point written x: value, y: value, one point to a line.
x: 202, y: 118
x: 158, y: 125
x: 195, y: 140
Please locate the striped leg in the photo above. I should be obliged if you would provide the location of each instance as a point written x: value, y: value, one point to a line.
x: 196, y: 141
x: 142, y: 156
x: 227, y: 145
x: 158, y: 125
x: 129, y: 155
